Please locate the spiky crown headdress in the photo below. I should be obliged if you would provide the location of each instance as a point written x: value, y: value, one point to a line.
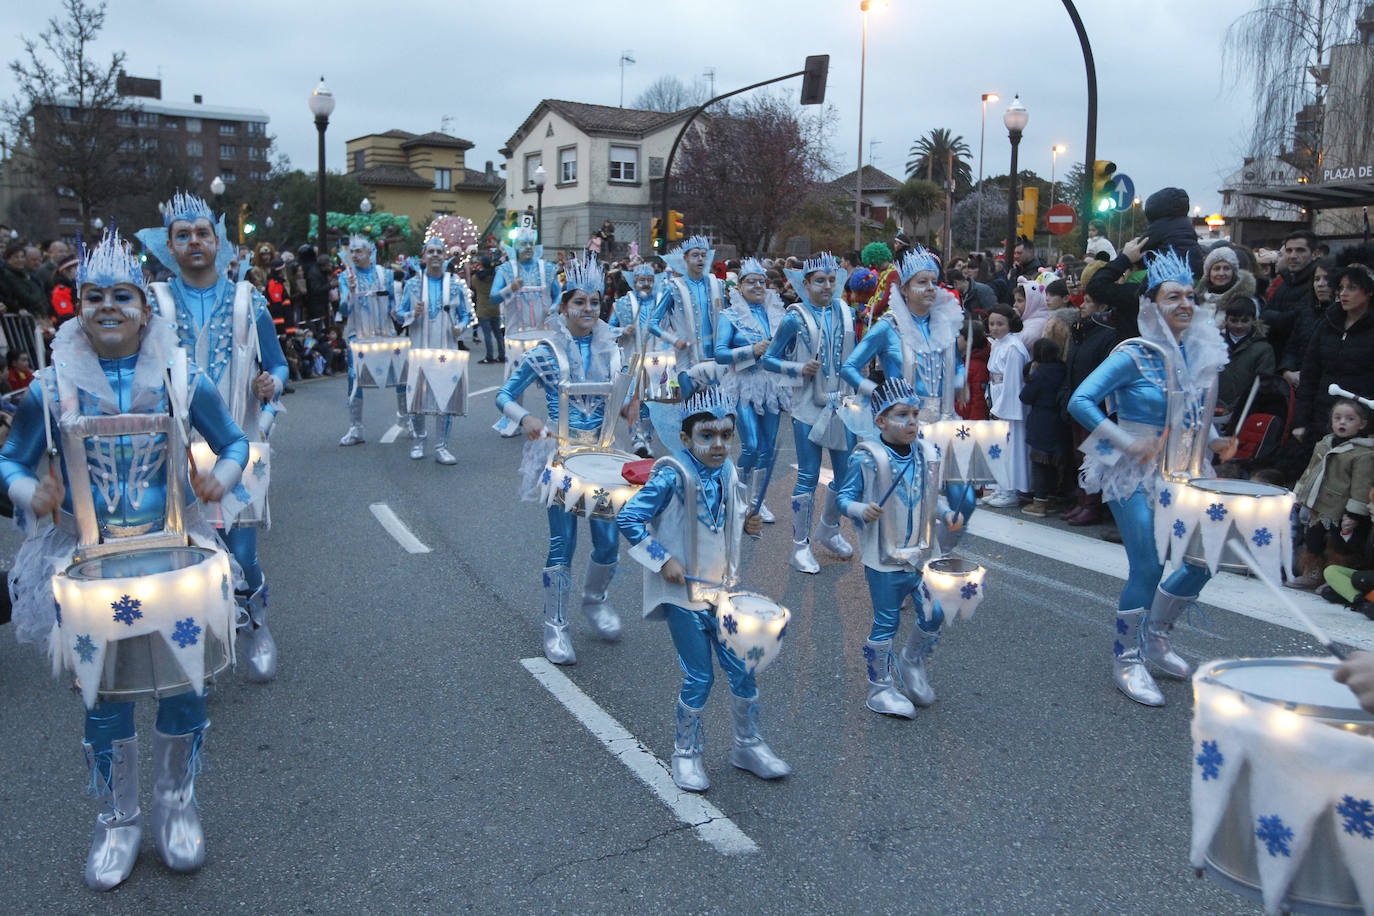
x: 752, y: 266
x: 361, y: 241
x: 434, y: 242
x: 522, y: 235
x: 586, y: 274
x: 1166, y: 265
x: 711, y: 399
x: 696, y: 241
x: 915, y: 260
x: 643, y: 269
x: 824, y: 262
x: 185, y: 206
x: 893, y: 391
x: 110, y: 262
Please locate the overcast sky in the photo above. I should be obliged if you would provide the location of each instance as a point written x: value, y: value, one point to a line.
x: 1164, y: 117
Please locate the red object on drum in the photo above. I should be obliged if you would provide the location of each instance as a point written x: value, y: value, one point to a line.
x: 637, y: 472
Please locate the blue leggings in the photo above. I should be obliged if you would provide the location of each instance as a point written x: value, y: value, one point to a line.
x: 108, y: 722
x: 809, y: 460
x: 243, y: 544
x: 563, y: 539
x: 694, y: 633
x: 758, y: 436
x: 889, y: 591
x: 1136, y: 522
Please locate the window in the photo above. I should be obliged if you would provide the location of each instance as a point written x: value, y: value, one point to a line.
x: 170, y: 123
x: 255, y: 152
x: 194, y: 148
x: 256, y: 175
x: 126, y: 119
x: 193, y: 125
x: 359, y: 157
x: 197, y: 173
x: 68, y: 114
x: 532, y: 164
x: 567, y: 165
x: 147, y: 119
x: 624, y: 163
x: 443, y: 179
x: 256, y: 128
x: 228, y: 176
x: 228, y: 151
x: 228, y: 128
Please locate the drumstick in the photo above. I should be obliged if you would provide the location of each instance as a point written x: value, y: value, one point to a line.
x: 1339, y: 392
x: 1245, y: 411
x: 1308, y: 623
x: 890, y: 490
x: 43, y: 390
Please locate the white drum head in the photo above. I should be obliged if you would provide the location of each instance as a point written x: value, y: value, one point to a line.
x: 1305, y: 685
x: 597, y: 467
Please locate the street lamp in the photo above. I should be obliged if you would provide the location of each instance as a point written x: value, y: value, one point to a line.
x: 982, y: 135
x: 541, y: 178
x: 365, y: 206
x: 321, y: 106
x: 1054, y: 157
x: 1015, y: 118
x: 866, y: 7
x: 217, y: 186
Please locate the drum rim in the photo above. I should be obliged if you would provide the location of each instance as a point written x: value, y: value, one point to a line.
x: 597, y: 452
x: 934, y: 566
x: 1209, y: 673
x: 205, y: 553
x: 1217, y: 485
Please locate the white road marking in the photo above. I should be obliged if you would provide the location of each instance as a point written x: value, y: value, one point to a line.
x: 473, y: 394
x: 390, y: 435
x: 709, y: 822
x: 397, y: 529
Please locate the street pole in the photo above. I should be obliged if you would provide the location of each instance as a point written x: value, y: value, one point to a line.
x: 948, y: 237
x: 1085, y: 203
x: 1054, y: 160
x: 982, y: 136
x: 859, y: 173
x: 1015, y: 137
x: 322, y: 240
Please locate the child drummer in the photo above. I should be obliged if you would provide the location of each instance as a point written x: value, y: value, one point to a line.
x: 114, y: 357
x: 658, y: 525
x: 885, y: 488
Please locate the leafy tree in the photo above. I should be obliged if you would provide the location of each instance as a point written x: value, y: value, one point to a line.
x: 916, y: 199
x: 930, y: 159
x: 964, y: 222
x: 668, y: 93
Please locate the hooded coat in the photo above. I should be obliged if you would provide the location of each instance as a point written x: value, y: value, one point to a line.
x: 1335, y: 355
x: 1171, y: 227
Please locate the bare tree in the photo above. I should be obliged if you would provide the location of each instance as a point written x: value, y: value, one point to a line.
x: 668, y: 93
x: 749, y: 168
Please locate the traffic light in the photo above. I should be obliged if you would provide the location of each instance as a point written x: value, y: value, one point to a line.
x: 674, y: 225
x: 512, y: 224
x: 656, y: 233
x: 1027, y: 208
x: 813, y: 79
x: 246, y: 227
x: 1102, y: 180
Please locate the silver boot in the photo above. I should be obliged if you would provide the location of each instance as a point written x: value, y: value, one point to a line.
x: 598, y: 610
x: 803, y: 560
x: 766, y: 514
x: 115, y: 841
x: 176, y: 817
x: 259, y: 648
x: 688, y: 772
x: 828, y: 531
x: 1128, y: 668
x: 756, y: 478
x: 750, y: 751
x: 1155, y: 645
x: 557, y: 643
x: 442, y: 454
x: 354, y: 436
x: 883, y: 695
x: 911, y: 666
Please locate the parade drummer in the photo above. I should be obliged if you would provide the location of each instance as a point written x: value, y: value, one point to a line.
x: 115, y: 359
x: 526, y: 289
x: 812, y: 342
x: 685, y: 314
x: 193, y: 245
x: 659, y: 526
x: 366, y: 302
x: 893, y: 468
x: 435, y: 308
x: 581, y: 348
x: 630, y: 318
x: 1179, y: 347
x: 743, y: 332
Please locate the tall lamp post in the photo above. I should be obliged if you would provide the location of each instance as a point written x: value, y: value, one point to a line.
x: 541, y: 178
x: 1054, y: 158
x: 866, y: 7
x: 982, y: 135
x: 321, y: 106
x: 1015, y: 118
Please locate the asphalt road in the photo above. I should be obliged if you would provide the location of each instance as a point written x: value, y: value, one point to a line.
x: 404, y: 760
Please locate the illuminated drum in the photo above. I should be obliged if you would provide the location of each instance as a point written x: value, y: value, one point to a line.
x: 378, y: 362
x: 437, y: 382
x: 1283, y: 785
x: 1201, y: 521
x: 957, y: 584
x: 751, y: 626
x: 971, y: 451
x: 245, y: 506
x: 588, y: 482
x: 660, y: 378
x: 520, y: 342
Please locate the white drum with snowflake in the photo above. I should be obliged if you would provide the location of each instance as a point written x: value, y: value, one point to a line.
x: 1203, y: 520
x: 588, y: 482
x: 245, y: 506
x: 971, y: 451
x: 1283, y: 784
x: 145, y: 622
x: 378, y: 362
x: 957, y: 584
x: 751, y: 626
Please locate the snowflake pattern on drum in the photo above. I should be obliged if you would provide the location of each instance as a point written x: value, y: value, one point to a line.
x: 1210, y: 760
x: 755, y: 654
x: 1357, y: 816
x: 1165, y: 498
x: 1180, y: 529
x: 186, y: 633
x: 126, y: 610
x: 963, y: 433
x: 968, y: 590
x: 1216, y: 512
x: 259, y: 468
x: 85, y: 648
x: 994, y: 452
x: 1274, y: 834
x: 1262, y: 537
x: 730, y: 624
x: 601, y: 495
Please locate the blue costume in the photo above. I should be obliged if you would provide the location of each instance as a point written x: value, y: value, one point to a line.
x: 128, y: 477
x: 1136, y: 380
x: 206, y: 327
x: 590, y: 358
x: 366, y: 302
x: 824, y: 333
x: 673, y: 321
x: 434, y: 311
x: 659, y: 522
x: 630, y: 316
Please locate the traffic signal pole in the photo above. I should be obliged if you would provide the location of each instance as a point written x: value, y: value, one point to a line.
x: 1085, y: 203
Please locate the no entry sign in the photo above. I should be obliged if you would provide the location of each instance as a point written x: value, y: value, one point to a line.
x: 1061, y: 219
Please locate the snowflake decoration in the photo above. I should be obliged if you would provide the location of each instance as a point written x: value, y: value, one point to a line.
x: 656, y: 550
x: 1104, y: 447
x: 1210, y: 760
x: 937, y: 452
x: 1118, y: 649
x: 242, y: 494
x: 443, y: 358
x: 1262, y: 537
x: 1216, y: 512
x: 968, y: 590
x: 963, y: 432
x: 755, y: 654
x: 925, y: 593
x: 567, y: 483
x: 126, y: 610
x: 1180, y: 529
x: 259, y: 468
x: 186, y: 633
x: 85, y: 648
x: 1008, y: 435
x: 796, y: 505
x: 547, y: 580
x: 224, y: 587
x: 994, y: 452
x: 1165, y: 498
x: 1357, y: 816
x: 55, y: 604
x: 1274, y: 834
x: 546, y: 476
x: 730, y: 624
x: 791, y: 373
x: 601, y: 495
x: 1121, y: 627
x: 783, y: 632
x: 397, y: 351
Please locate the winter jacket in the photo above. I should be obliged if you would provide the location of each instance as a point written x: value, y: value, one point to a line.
x: 979, y: 297
x: 1305, y: 321
x: 1090, y: 342
x: 1337, y: 356
x: 978, y: 379
x: 1170, y: 226
x: 1122, y: 298
x: 1250, y: 357
x: 19, y: 291
x: 1243, y: 287
x: 1047, y: 431
x: 1338, y: 479
x: 1291, y: 302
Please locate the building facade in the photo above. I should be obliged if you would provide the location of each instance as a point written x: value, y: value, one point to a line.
x: 422, y: 176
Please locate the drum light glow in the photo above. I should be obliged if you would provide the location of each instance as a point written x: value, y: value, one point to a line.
x: 957, y: 584
x: 1194, y: 520
x: 972, y: 450
x: 752, y: 627
x: 588, y: 482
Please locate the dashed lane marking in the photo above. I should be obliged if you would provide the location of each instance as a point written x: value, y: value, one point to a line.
x: 397, y: 529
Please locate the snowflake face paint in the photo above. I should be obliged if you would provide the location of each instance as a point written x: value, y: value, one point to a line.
x: 194, y: 244
x: 434, y: 260
x: 1176, y: 304
x: 919, y: 292
x: 695, y: 259
x: 582, y: 311
x: 898, y: 424
x: 710, y: 441
x: 112, y: 318
x: 362, y: 257
x: 753, y: 287
x: 820, y: 287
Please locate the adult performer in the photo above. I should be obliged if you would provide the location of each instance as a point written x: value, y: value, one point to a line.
x: 113, y: 360
x: 685, y: 314
x: 434, y: 309
x: 226, y: 330
x: 366, y: 301
x: 527, y: 291
x: 743, y: 332
x: 630, y: 318
x: 814, y: 339
x: 581, y: 348
x: 1179, y: 348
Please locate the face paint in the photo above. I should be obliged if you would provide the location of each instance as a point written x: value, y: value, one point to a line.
x: 710, y: 441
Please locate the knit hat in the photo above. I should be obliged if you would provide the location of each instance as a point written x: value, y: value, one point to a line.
x: 1089, y: 269
x: 1221, y: 253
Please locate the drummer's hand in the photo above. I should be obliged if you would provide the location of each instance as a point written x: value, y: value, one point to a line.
x: 47, y: 496
x: 954, y: 520
x: 264, y: 386
x: 207, y: 487
x: 1357, y: 673
x: 1226, y: 448
x: 753, y: 525
x: 673, y: 573
x: 532, y: 426
x: 811, y: 368
x: 872, y: 512
x: 680, y: 345
x: 1144, y: 449
x: 761, y: 348
x: 630, y: 412
x: 961, y: 396
x: 1347, y: 525
x: 515, y: 284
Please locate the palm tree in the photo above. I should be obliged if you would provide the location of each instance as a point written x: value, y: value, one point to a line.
x: 917, y: 198
x: 929, y: 155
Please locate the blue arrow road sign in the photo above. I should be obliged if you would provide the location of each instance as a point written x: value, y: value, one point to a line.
x: 1123, y: 190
